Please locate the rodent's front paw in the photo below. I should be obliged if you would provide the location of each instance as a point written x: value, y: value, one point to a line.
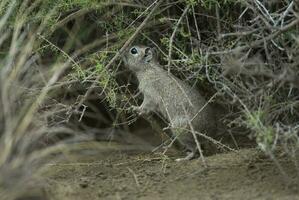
x: 139, y: 110
x: 136, y: 109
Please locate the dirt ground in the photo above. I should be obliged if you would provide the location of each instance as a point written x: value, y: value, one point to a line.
x: 131, y: 174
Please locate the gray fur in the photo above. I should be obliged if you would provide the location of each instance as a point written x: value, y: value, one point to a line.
x: 175, y: 100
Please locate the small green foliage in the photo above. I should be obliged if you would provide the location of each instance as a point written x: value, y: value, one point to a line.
x: 79, y: 72
x: 184, y: 33
x: 162, y: 19
x: 192, y: 2
x: 210, y: 4
x: 164, y: 41
x: 106, y: 81
x: 264, y: 134
x: 125, y: 33
x: 196, y: 58
x: 254, y: 119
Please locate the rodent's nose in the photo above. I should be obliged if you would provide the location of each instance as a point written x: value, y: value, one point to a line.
x: 147, y: 50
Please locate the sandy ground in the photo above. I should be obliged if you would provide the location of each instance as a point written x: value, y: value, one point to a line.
x: 131, y: 174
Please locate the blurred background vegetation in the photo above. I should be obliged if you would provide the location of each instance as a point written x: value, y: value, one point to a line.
x: 58, y: 82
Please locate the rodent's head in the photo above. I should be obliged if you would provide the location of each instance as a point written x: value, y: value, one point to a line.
x: 138, y: 58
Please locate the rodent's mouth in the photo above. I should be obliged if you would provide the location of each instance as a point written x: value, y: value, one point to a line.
x: 125, y: 60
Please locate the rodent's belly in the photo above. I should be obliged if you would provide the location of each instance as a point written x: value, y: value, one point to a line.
x: 174, y: 110
x: 171, y: 100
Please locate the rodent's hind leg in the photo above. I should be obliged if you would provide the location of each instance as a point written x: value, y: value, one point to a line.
x: 185, y: 138
x: 139, y: 110
x: 190, y: 155
x: 145, y: 108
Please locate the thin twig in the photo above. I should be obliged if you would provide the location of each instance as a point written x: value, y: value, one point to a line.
x: 173, y: 35
x: 258, y: 42
x: 135, y: 176
x: 218, y: 21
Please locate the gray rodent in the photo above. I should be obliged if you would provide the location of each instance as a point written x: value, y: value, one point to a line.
x: 182, y: 105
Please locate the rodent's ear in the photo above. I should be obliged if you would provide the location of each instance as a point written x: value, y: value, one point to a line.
x: 148, y: 54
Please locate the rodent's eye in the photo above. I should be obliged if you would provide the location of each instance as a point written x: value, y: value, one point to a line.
x: 133, y: 51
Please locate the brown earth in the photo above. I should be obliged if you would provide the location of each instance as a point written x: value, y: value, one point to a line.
x: 131, y: 174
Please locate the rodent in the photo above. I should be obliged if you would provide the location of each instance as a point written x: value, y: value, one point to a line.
x: 180, y: 104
